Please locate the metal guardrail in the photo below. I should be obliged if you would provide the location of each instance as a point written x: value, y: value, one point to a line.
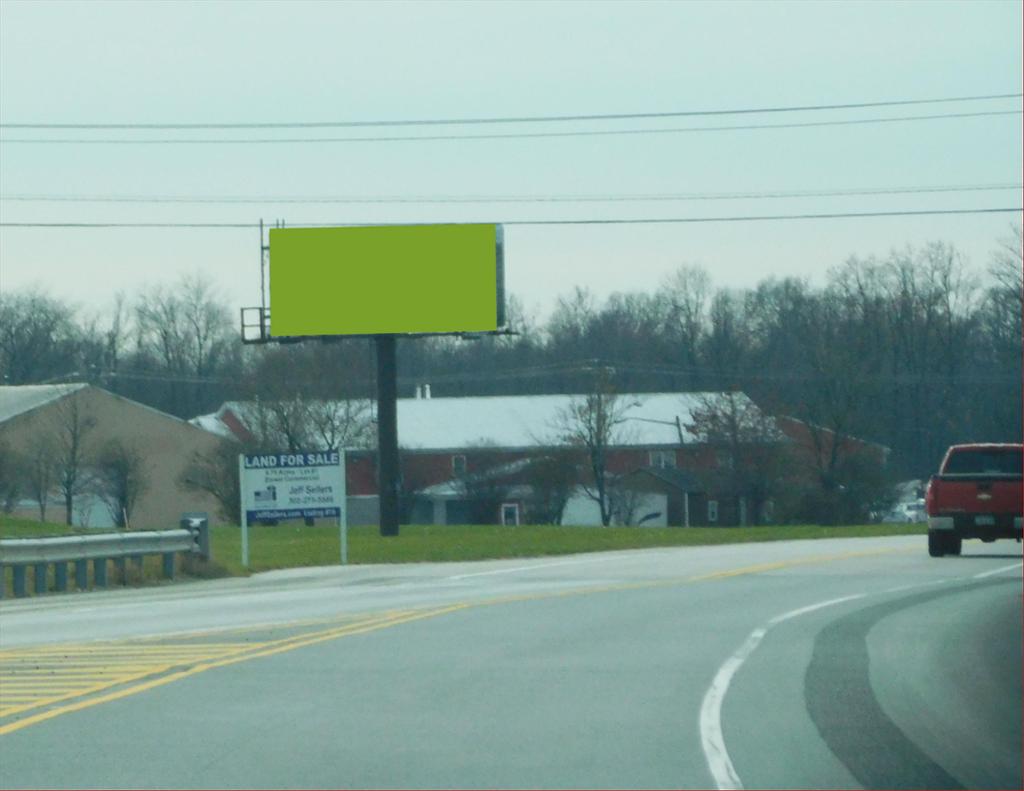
x: 40, y: 553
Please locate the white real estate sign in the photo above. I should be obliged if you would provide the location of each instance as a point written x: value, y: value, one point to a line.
x: 292, y: 486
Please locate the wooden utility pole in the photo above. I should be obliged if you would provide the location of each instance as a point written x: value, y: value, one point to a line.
x: 389, y: 477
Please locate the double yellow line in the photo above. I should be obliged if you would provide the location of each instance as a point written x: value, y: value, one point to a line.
x: 157, y: 675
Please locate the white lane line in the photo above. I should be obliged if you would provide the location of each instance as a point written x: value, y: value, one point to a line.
x: 1003, y: 570
x: 711, y: 738
x: 529, y: 568
x: 901, y: 588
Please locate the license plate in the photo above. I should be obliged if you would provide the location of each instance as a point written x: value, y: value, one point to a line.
x: 984, y: 520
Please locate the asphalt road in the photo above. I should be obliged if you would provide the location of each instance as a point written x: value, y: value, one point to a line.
x: 845, y: 663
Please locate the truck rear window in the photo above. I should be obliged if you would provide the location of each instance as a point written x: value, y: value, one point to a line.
x: 994, y: 461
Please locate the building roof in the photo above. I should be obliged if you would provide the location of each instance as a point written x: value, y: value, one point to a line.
x: 213, y: 424
x: 18, y: 399
x: 531, y: 421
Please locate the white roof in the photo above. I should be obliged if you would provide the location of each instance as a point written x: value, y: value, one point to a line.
x: 529, y: 421
x: 18, y: 399
x: 213, y: 424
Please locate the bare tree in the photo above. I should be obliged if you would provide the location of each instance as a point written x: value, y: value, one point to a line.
x: 336, y: 425
x: 72, y: 426
x: 282, y: 423
x: 686, y: 293
x: 728, y: 341
x: 40, y: 470
x: 11, y: 477
x: 572, y: 320
x: 38, y: 338
x: 551, y: 479
x: 121, y: 480
x: 1005, y: 299
x: 187, y: 333
x: 594, y: 423
x: 216, y: 473
x: 750, y: 449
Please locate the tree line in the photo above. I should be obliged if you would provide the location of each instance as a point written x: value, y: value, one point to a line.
x: 914, y: 350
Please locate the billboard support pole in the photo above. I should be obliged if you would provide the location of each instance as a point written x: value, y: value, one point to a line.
x: 388, y: 473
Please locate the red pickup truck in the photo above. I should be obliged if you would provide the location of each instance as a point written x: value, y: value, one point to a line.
x: 977, y: 494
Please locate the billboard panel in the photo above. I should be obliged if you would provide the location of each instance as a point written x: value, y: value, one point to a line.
x: 386, y: 279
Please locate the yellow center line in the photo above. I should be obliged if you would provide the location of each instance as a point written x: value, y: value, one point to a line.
x: 51, y: 685
x: 236, y: 653
x: 277, y: 647
x: 86, y: 678
x: 55, y: 696
x: 71, y: 672
x: 783, y: 564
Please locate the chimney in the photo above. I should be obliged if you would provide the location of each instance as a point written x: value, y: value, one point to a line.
x: 426, y: 391
x: 419, y: 393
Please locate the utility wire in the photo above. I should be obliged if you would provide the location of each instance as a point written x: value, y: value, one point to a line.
x: 631, y: 221
x: 574, y: 368
x: 357, y: 199
x: 129, y: 225
x: 529, y: 119
x: 488, y: 136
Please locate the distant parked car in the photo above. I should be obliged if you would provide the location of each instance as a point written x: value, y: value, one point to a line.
x: 903, y: 513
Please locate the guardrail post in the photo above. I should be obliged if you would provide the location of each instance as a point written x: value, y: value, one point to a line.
x: 3, y: 582
x: 168, y: 565
x: 82, y: 574
x: 122, y: 570
x: 199, y: 524
x: 40, y: 577
x: 19, y: 581
x: 99, y: 572
x: 60, y: 575
x: 204, y: 540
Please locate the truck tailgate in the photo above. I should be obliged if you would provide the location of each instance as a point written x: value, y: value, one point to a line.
x: 975, y: 494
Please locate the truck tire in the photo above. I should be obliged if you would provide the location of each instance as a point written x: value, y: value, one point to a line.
x: 936, y: 544
x: 953, y: 545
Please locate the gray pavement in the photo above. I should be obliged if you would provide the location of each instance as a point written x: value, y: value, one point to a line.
x: 581, y: 671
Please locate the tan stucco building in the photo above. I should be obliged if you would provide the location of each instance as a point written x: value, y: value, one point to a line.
x: 38, y: 417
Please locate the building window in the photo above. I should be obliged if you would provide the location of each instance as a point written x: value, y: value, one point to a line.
x: 458, y: 465
x: 663, y: 459
x: 712, y: 510
x: 510, y: 514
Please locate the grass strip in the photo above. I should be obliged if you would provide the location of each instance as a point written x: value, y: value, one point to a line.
x: 295, y: 545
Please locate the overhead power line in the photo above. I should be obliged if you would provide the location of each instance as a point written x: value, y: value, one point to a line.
x: 529, y: 119
x: 577, y: 368
x: 613, y: 221
x: 476, y: 199
x: 488, y: 136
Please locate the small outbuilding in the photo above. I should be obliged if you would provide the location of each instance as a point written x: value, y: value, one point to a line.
x: 106, y: 459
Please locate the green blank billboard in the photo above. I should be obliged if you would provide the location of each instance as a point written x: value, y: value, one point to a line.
x: 385, y: 279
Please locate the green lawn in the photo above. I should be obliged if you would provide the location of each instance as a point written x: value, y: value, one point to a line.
x: 11, y: 527
x: 290, y: 546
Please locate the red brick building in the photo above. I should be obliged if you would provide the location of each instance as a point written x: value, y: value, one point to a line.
x: 488, y: 459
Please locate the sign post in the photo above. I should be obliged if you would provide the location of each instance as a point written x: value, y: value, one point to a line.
x: 304, y: 484
x: 244, y: 513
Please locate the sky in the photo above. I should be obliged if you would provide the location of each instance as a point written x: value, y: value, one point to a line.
x: 246, y: 62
